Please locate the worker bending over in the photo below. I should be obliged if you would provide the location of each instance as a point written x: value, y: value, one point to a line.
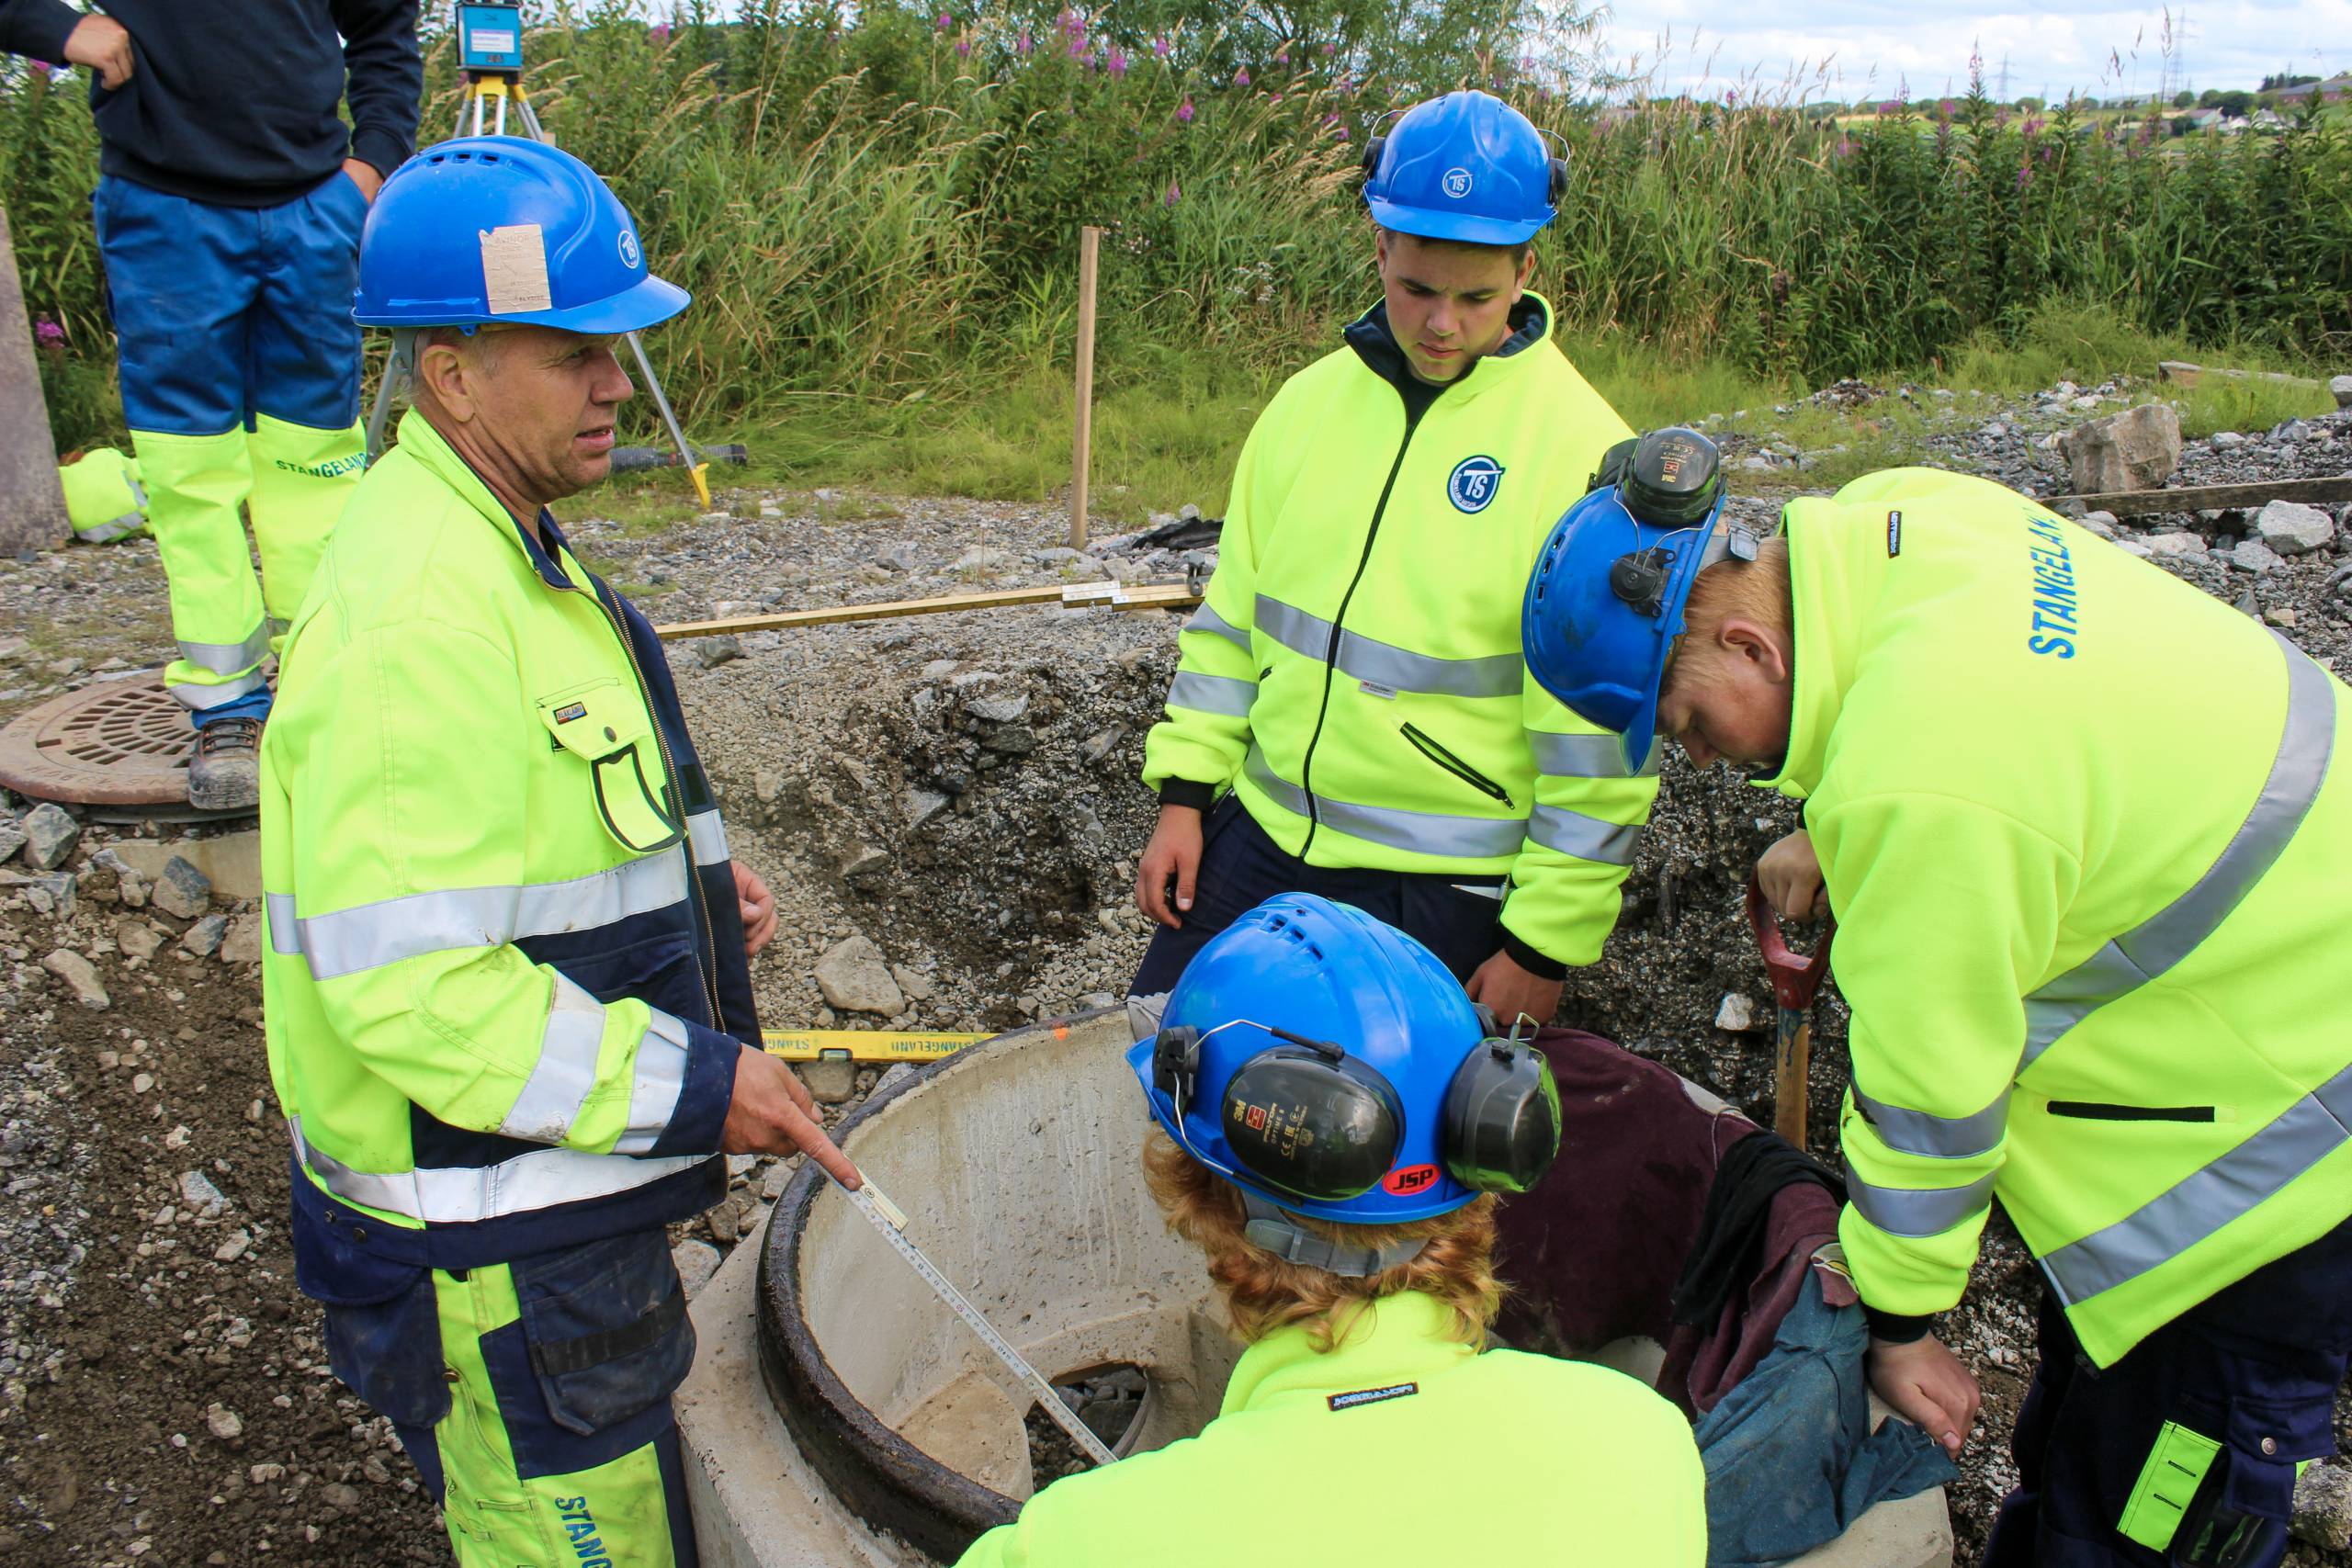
x: 1333, y: 1127
x: 1352, y: 687
x: 507, y: 982
x: 229, y: 197
x: 2097, y: 968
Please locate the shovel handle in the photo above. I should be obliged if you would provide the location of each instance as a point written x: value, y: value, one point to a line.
x: 1795, y: 978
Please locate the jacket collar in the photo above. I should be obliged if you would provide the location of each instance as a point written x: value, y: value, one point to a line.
x: 1375, y: 344
x: 1399, y: 1339
x: 1837, y: 567
x: 426, y: 447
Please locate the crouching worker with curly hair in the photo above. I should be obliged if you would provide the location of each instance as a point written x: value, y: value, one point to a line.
x: 1334, y: 1129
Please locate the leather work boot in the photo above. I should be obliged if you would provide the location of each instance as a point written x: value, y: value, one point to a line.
x: 225, y: 773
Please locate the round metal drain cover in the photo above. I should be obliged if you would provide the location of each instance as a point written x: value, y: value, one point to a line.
x: 112, y: 743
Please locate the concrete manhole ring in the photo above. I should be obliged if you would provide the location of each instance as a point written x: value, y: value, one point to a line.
x: 119, y: 743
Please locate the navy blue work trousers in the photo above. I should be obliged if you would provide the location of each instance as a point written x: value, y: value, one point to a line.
x: 2253, y: 1367
x: 1241, y: 867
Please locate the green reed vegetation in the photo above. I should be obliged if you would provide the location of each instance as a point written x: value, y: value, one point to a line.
x: 878, y: 220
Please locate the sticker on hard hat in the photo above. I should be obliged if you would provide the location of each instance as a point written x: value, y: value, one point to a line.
x: 515, y: 269
x: 632, y: 257
x: 1407, y: 1180
x: 1471, y: 485
x: 1458, y: 183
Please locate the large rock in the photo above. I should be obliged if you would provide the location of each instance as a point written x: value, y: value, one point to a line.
x: 182, y: 890
x: 2137, y: 449
x: 855, y: 978
x: 12, y: 838
x: 77, y: 974
x: 2340, y: 387
x: 2324, y: 1492
x: 2293, y: 529
x: 51, y: 834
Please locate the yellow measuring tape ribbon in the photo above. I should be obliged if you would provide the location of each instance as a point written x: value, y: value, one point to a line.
x: 865, y: 1044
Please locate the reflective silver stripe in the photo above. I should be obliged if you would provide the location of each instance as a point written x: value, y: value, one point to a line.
x: 708, y: 836
x: 190, y: 694
x: 1386, y: 664
x: 278, y: 915
x: 2224, y: 1190
x: 114, y: 528
x: 1586, y: 838
x: 661, y: 1078
x: 1207, y: 620
x: 228, y: 658
x: 2173, y: 932
x: 1584, y: 756
x: 1936, y: 1137
x: 540, y: 1179
x: 1211, y: 694
x: 566, y: 1070
x: 1422, y: 832
x: 368, y: 936
x: 1918, y: 1211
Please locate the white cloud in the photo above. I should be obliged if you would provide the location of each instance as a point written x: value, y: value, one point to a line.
x: 1854, y: 49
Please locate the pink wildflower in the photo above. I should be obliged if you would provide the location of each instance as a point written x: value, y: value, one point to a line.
x: 1162, y: 48
x: 1184, y: 112
x: 1117, y: 63
x: 1175, y: 193
x: 1241, y: 77
x: 943, y: 23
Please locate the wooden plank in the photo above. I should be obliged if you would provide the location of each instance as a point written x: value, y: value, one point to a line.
x: 2185, y: 375
x: 1082, y: 595
x: 2207, y: 497
x: 32, y: 503
x: 1090, y: 253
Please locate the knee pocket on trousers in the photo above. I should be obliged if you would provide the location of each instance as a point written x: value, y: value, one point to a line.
x: 585, y: 1374
x: 2264, y: 1438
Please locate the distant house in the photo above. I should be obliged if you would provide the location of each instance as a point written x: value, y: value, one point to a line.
x: 2195, y: 120
x: 2337, y: 87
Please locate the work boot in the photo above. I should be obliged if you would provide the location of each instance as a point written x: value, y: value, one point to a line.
x: 225, y: 773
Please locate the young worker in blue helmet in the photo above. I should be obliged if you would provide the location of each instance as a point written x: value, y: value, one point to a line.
x: 1349, y: 714
x: 1334, y: 1126
x: 2095, y: 974
x: 507, y: 987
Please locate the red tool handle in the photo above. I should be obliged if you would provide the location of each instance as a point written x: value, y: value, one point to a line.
x: 1795, y: 978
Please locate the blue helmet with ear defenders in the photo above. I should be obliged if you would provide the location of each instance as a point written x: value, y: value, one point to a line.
x: 1604, y: 604
x: 1329, y: 1064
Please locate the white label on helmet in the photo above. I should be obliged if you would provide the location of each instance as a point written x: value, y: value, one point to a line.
x: 1458, y: 183
x: 630, y: 255
x: 515, y: 269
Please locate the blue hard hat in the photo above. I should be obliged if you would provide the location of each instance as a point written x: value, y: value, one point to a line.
x: 1329, y: 1063
x: 495, y: 229
x: 1605, y: 602
x: 1466, y: 166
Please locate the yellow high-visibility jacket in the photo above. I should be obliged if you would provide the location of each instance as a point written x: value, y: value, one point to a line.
x: 1397, y: 1446
x: 1354, y: 672
x: 2092, y: 870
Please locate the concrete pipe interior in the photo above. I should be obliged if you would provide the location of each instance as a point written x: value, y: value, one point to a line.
x: 1018, y: 1164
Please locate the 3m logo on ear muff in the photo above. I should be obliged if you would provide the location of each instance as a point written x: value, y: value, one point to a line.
x: 1407, y: 1180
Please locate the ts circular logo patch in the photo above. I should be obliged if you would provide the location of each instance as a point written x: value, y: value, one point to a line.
x: 1458, y: 183
x: 632, y: 257
x: 1471, y: 485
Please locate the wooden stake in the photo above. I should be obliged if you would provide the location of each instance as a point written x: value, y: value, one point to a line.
x: 1089, y: 252
x: 32, y: 503
x: 2201, y: 498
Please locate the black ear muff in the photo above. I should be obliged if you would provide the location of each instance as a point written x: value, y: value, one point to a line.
x: 1613, y: 466
x: 1176, y: 1061
x: 1372, y: 147
x: 1312, y: 1121
x: 1502, y: 1118
x: 1559, y: 182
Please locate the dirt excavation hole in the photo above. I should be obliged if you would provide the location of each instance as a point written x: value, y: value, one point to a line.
x: 1116, y: 1401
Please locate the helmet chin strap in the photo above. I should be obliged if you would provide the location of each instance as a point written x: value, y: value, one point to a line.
x: 1273, y: 1230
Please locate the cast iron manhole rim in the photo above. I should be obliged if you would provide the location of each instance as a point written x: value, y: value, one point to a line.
x: 884, y: 1479
x: 114, y: 743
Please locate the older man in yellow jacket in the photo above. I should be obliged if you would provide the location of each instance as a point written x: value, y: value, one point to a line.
x: 2095, y: 955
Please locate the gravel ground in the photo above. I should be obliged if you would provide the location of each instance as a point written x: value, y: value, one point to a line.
x: 957, y: 791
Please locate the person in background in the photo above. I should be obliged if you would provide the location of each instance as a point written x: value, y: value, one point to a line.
x: 230, y: 198
x: 1333, y: 1128
x: 1349, y: 715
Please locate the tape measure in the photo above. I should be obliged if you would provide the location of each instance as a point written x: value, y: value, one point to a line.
x: 891, y: 1221
x: 863, y: 1045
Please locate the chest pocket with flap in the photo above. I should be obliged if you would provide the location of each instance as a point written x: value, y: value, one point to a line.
x: 605, y: 727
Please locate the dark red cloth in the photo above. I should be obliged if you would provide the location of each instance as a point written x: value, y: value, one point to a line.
x: 1591, y: 1253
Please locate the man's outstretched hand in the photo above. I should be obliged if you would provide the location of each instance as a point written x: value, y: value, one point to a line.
x: 1926, y: 1383
x: 772, y: 1114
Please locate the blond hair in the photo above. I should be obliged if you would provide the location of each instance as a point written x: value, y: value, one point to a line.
x: 1263, y: 1294
x: 1752, y: 590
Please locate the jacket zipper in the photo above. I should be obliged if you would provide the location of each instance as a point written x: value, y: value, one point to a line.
x: 1338, y: 623
x: 1431, y: 748
x: 670, y: 774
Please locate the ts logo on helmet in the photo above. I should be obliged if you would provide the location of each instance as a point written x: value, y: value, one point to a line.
x: 632, y: 257
x: 1471, y: 485
x: 1407, y: 1182
x: 1458, y: 183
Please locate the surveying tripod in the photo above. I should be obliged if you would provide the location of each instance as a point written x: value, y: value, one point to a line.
x: 501, y: 85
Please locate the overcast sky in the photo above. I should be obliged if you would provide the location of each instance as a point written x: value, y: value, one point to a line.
x: 2101, y: 47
